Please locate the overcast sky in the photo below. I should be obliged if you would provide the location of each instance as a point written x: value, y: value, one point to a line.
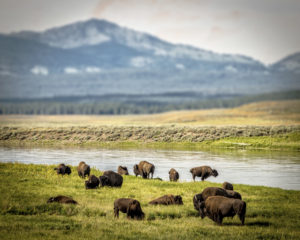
x: 266, y: 30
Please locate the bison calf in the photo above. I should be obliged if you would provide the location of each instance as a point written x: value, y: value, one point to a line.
x: 129, y: 206
x: 173, y: 175
x: 218, y: 207
x: 111, y: 178
x: 167, y: 200
x: 203, y: 172
x: 92, y: 183
x: 83, y: 169
x: 63, y: 169
x: 62, y: 199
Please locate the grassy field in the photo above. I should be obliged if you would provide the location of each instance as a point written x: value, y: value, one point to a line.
x: 272, y: 213
x: 264, y: 125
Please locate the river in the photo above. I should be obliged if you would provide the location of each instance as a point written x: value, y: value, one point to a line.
x: 267, y: 168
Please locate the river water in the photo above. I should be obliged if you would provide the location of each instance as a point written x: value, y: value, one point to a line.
x: 267, y: 168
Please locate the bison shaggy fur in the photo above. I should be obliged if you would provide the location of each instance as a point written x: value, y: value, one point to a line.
x: 167, y: 200
x: 122, y: 170
x: 227, y: 186
x: 111, y: 178
x: 173, y: 175
x: 203, y: 172
x: 83, y: 169
x: 63, y: 169
x: 92, y: 183
x: 218, y: 207
x: 62, y: 199
x: 129, y: 206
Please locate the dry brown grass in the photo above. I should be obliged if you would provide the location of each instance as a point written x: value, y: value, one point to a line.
x: 271, y: 113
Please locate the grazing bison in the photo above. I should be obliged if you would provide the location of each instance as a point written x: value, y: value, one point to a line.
x: 83, y: 169
x: 214, y: 191
x: 92, y: 183
x: 112, y: 179
x: 63, y: 169
x: 218, y: 207
x: 167, y: 200
x: 123, y: 170
x: 173, y: 175
x: 129, y: 206
x: 144, y: 169
x: 62, y: 199
x: 227, y: 186
x: 203, y: 172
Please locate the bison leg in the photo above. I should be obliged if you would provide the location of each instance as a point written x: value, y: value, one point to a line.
x: 116, y: 212
x: 242, y: 218
x: 194, y: 176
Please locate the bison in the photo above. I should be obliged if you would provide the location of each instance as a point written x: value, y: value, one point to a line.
x: 227, y: 186
x: 214, y: 191
x: 63, y: 169
x: 92, y: 183
x: 144, y: 169
x: 123, y: 170
x: 203, y: 172
x: 111, y: 178
x: 62, y: 199
x: 173, y: 175
x: 218, y: 207
x: 167, y: 200
x: 83, y: 169
x: 129, y: 206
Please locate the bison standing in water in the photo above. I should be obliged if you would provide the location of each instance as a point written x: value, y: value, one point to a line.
x: 123, y: 170
x: 83, y: 169
x: 203, y: 172
x: 167, y: 200
x: 63, y: 169
x: 173, y: 175
x: 218, y: 207
x: 111, y: 178
x: 129, y: 206
x: 62, y: 199
x: 144, y: 169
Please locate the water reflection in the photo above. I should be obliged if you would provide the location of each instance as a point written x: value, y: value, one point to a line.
x: 269, y: 168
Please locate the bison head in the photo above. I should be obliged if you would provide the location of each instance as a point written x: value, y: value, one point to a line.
x: 202, y: 210
x: 68, y: 170
x: 178, y: 200
x: 215, y: 173
x: 50, y: 200
x: 136, y: 170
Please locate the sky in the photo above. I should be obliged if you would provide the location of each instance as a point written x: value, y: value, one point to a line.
x: 266, y: 30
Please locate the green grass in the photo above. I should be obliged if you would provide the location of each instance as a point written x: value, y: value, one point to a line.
x: 272, y: 213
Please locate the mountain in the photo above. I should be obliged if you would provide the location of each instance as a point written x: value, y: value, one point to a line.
x: 97, y: 57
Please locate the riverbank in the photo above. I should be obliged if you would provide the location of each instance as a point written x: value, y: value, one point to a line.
x: 248, y: 137
x: 272, y: 213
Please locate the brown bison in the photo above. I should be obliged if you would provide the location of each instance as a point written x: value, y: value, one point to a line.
x: 129, y: 206
x: 218, y: 207
x: 214, y: 191
x: 63, y: 169
x: 92, y: 183
x: 173, y: 175
x: 111, y: 178
x: 83, y: 169
x: 123, y: 170
x: 227, y: 186
x: 167, y: 200
x: 62, y: 199
x: 144, y: 169
x: 203, y: 172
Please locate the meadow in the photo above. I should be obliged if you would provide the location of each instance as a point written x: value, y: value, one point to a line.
x: 272, y: 213
x: 262, y: 125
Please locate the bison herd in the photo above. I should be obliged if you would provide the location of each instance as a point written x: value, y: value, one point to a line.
x: 213, y: 202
